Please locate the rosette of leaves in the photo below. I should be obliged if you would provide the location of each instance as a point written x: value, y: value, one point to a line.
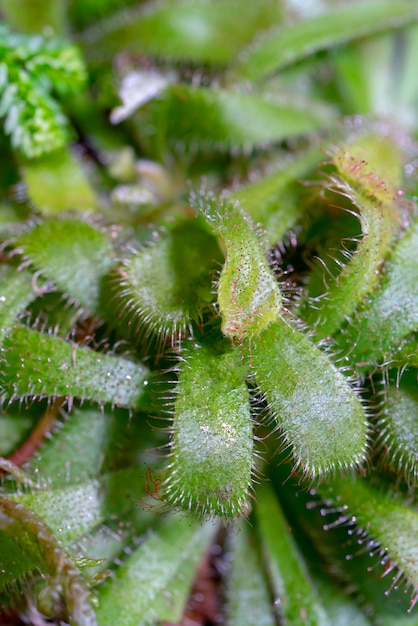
x: 208, y: 313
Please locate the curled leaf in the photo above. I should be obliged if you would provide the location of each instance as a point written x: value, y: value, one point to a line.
x: 249, y: 297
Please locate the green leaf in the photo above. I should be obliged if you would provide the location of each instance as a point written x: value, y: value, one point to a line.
x: 291, y: 43
x: 248, y: 601
x: 57, y: 183
x: 201, y: 32
x: 397, y: 426
x: 135, y: 596
x: 64, y: 509
x: 249, y: 297
x: 73, y: 254
x: 391, y: 312
x: 297, y: 598
x: 370, y: 168
x: 384, y: 518
x: 16, y: 293
x: 39, y: 365
x: 78, y: 450
x: 33, y: 536
x: 198, y: 118
x: 271, y: 201
x: 211, y: 457
x: 13, y: 429
x: 164, y: 287
x: 320, y: 416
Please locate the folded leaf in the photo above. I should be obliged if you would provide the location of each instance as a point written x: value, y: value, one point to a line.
x: 248, y: 294
x: 370, y: 169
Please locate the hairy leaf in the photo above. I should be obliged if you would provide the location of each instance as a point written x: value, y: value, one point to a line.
x: 164, y: 287
x: 248, y: 295
x: 64, y: 508
x: 370, y: 168
x: 39, y: 365
x: 16, y: 293
x: 211, y: 456
x: 269, y: 200
x: 398, y: 435
x: 73, y: 254
x: 386, y: 520
x: 320, y: 417
x: 64, y: 580
x: 391, y: 313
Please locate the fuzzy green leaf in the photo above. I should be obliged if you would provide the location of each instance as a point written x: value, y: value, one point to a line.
x: 164, y: 287
x: 370, y: 168
x: 57, y: 183
x: 35, y: 364
x: 391, y: 312
x: 78, y: 450
x: 16, y: 293
x: 134, y: 597
x: 249, y: 297
x: 398, y: 434
x: 297, y: 596
x: 202, y: 32
x: 386, y: 518
x: 248, y: 600
x: 294, y: 42
x: 211, y: 455
x: 64, y: 508
x: 319, y: 415
x: 200, y: 118
x: 73, y: 254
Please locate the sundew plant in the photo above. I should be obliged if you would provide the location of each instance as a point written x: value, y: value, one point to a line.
x: 208, y: 312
